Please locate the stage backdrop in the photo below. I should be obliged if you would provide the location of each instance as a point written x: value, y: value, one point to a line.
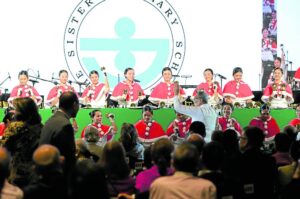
x: 147, y: 35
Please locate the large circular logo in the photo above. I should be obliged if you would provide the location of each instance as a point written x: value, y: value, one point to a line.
x: 146, y: 35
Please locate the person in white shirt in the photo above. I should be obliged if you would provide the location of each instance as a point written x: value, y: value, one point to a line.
x: 201, y: 111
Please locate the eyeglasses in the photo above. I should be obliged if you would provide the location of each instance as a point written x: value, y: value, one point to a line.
x: 265, y: 113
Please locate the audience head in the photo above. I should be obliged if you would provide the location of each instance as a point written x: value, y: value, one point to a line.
x: 87, y: 180
x: 68, y: 102
x: 82, y: 151
x: 197, y: 140
x: 147, y: 157
x: 47, y: 159
x: 217, y: 136
x: 4, y: 166
x: 213, y: 155
x: 200, y: 98
x: 23, y: 77
x: 128, y: 136
x: 282, y: 142
x: 26, y: 111
x: 291, y: 131
x: 198, y: 128
x: 186, y: 158
x: 161, y: 154
x: 231, y: 140
x: 254, y: 137
x: 147, y: 113
x: 114, y: 161
x: 91, y: 134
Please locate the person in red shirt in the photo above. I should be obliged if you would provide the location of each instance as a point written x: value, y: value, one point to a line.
x: 7, y: 119
x: 227, y: 122
x: 296, y: 121
x: 148, y: 129
x: 106, y: 132
x: 266, y: 123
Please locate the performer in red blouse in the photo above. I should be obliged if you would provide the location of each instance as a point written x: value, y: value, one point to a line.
x: 266, y: 123
x: 296, y: 121
x: 179, y: 127
x: 211, y: 88
x: 56, y: 91
x: 128, y: 91
x: 149, y: 130
x: 24, y: 90
x: 164, y: 91
x: 95, y: 94
x: 279, y: 93
x: 106, y: 132
x: 226, y: 121
x: 237, y: 90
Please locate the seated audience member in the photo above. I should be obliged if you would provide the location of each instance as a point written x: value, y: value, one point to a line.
x: 49, y: 181
x: 164, y: 91
x: 259, y: 172
x: 202, y: 111
x: 282, y: 147
x: 226, y: 121
x: 266, y: 123
x: 24, y: 90
x: 211, y: 88
x: 95, y: 94
x: 82, y: 152
x: 296, y: 121
x: 198, y: 127
x: 217, y: 136
x: 148, y: 129
x: 279, y: 93
x: 59, y: 89
x: 129, y: 139
x: 91, y: 138
x: 161, y: 157
x: 87, y: 180
x: 21, y: 138
x: 113, y: 160
x: 7, y: 190
x: 212, y: 159
x: 196, y: 140
x: 128, y: 92
x: 105, y: 132
x: 179, y: 128
x: 183, y: 184
x: 237, y: 91
x: 7, y: 119
x: 291, y: 131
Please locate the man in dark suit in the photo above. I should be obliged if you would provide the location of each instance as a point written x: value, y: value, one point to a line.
x: 58, y: 130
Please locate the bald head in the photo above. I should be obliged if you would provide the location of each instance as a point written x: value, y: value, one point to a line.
x: 197, y: 140
x: 46, y: 155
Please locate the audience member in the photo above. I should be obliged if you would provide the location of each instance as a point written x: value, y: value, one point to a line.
x: 91, y: 137
x: 282, y: 147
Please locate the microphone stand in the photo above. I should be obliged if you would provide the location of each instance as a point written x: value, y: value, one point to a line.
x: 8, y: 77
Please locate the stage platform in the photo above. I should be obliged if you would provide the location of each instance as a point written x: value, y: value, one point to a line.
x: 164, y: 116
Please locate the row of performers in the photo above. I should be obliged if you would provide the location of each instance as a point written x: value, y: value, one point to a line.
x: 149, y: 130
x: 278, y: 93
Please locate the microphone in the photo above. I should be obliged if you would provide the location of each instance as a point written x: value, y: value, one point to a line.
x: 9, y: 77
x: 221, y: 76
x: 176, y: 75
x: 136, y: 80
x: 186, y: 76
x: 70, y: 82
x: 33, y: 81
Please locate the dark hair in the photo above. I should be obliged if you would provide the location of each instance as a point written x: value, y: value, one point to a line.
x: 291, y: 131
x: 161, y: 154
x: 231, y: 140
x: 282, y: 142
x: 93, y: 112
x: 255, y: 136
x: 210, y: 70
x: 67, y: 100
x: 23, y: 72
x: 113, y: 160
x: 26, y: 111
x: 147, y: 157
x: 147, y: 108
x: 87, y: 180
x: 281, y: 70
x: 8, y: 117
x: 217, y: 136
x: 166, y: 69
x: 264, y: 107
x: 228, y: 104
x: 237, y: 70
x: 127, y: 69
x: 197, y: 140
x: 94, y: 72
x: 295, y: 150
x: 213, y: 155
x: 128, y: 136
x: 91, y: 134
x: 186, y: 158
x: 198, y: 127
x: 62, y: 71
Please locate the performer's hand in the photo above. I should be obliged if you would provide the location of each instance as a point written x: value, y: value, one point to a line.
x: 249, y: 101
x: 176, y: 88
